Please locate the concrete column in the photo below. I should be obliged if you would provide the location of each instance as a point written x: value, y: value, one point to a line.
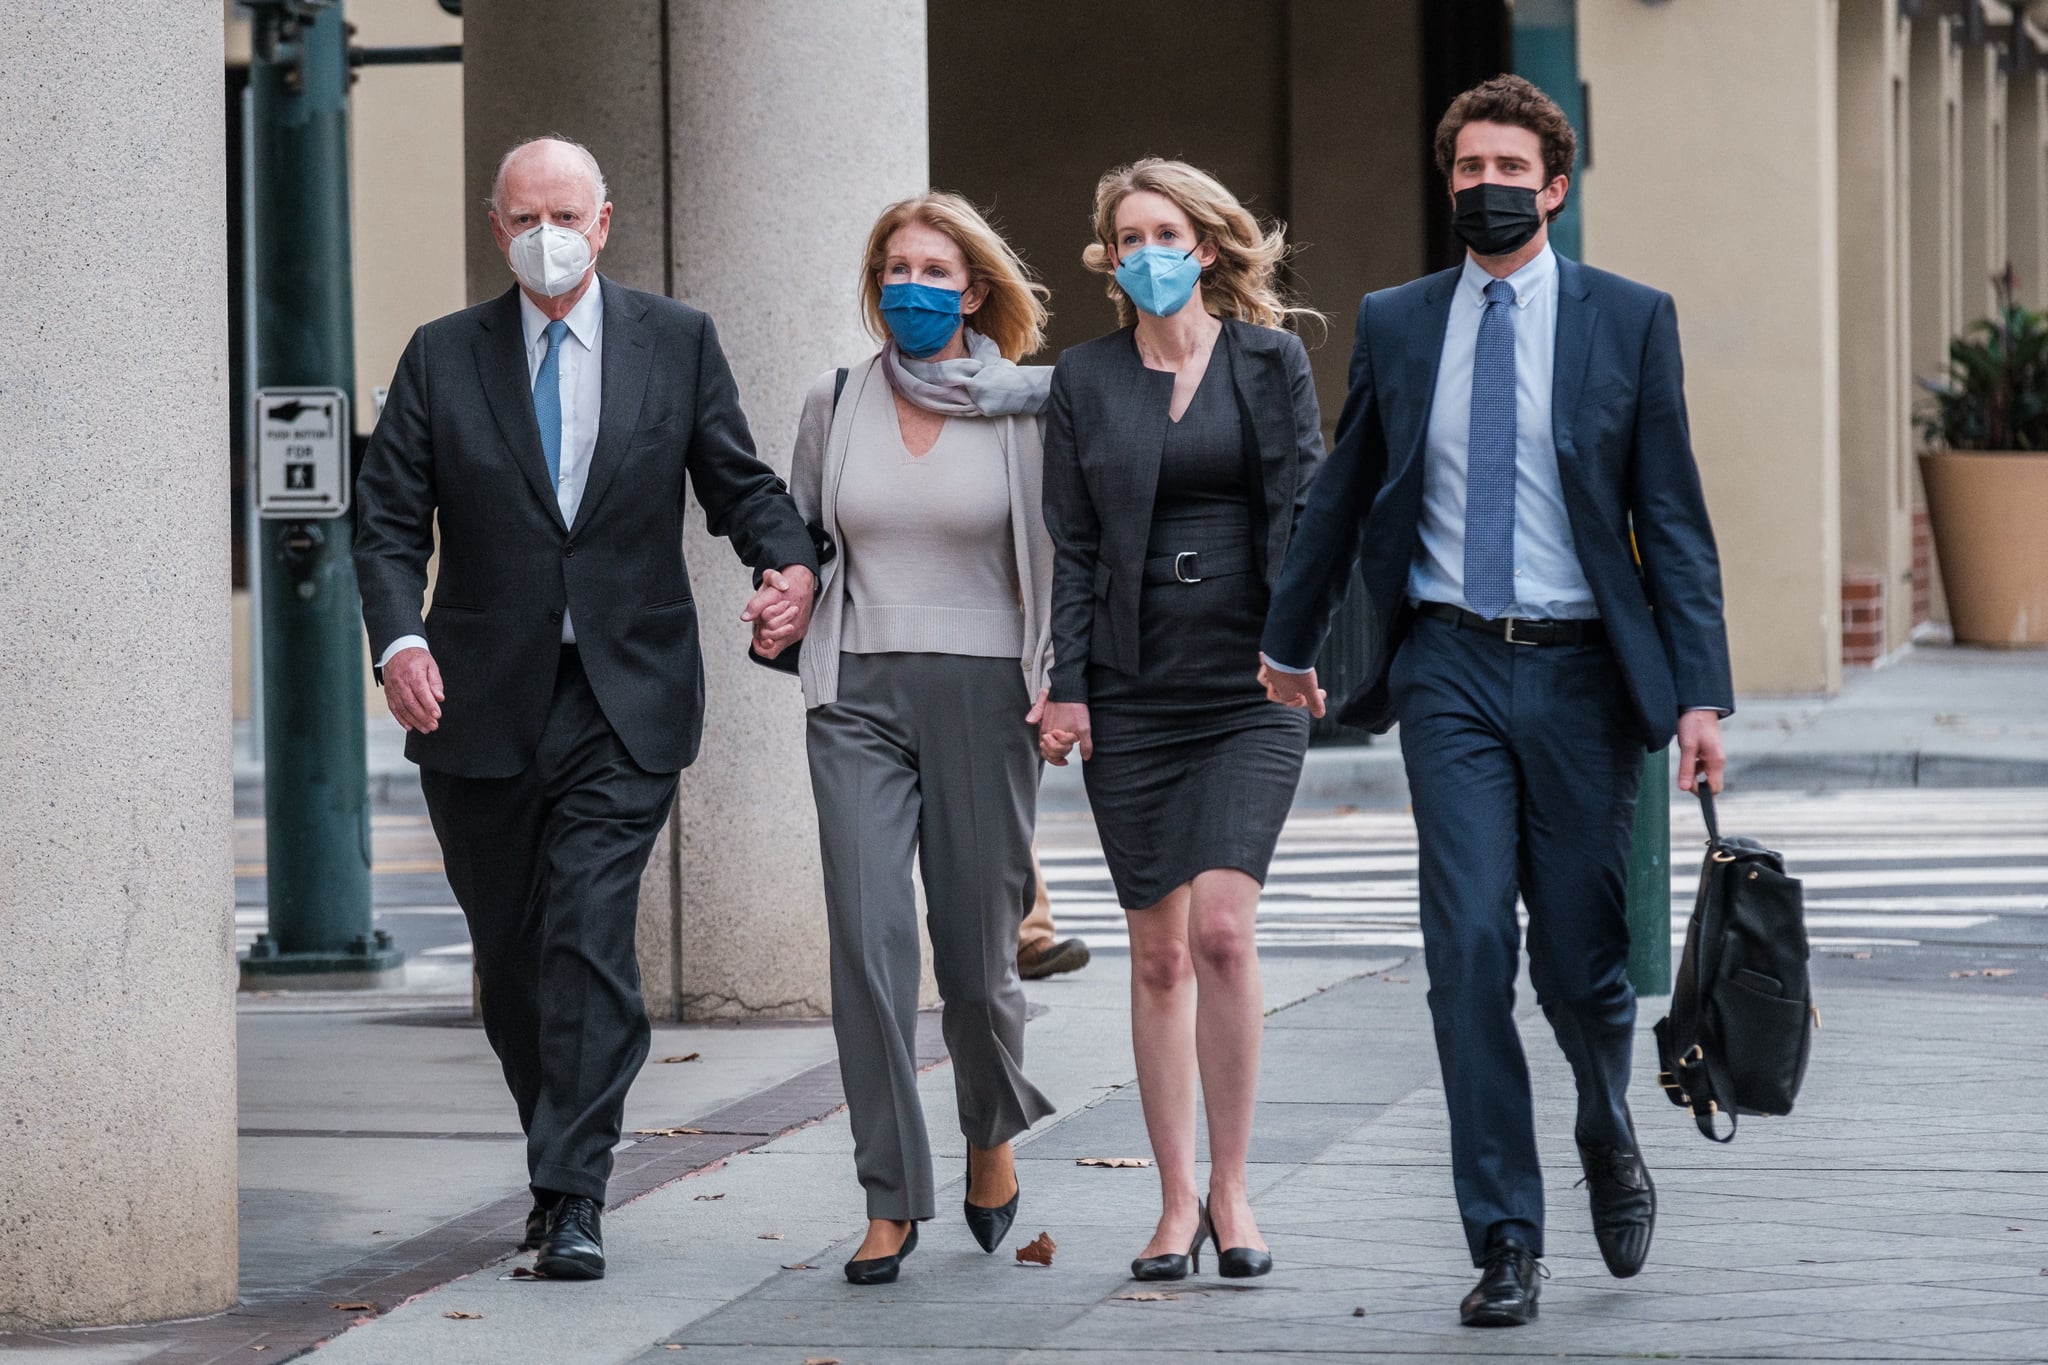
x: 748, y: 150
x: 1934, y: 228
x: 2026, y: 183
x: 793, y: 124
x: 1674, y: 87
x: 117, y: 1015
x: 1876, y: 435
x: 1981, y: 250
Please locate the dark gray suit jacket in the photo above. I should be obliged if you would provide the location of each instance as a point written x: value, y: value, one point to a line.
x: 458, y: 440
x: 1105, y: 434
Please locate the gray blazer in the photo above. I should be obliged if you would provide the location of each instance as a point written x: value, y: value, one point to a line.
x: 1103, y: 444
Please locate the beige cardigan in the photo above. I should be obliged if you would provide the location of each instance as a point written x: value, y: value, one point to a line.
x: 814, y: 474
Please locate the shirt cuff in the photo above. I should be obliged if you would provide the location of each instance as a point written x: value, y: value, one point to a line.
x: 403, y: 642
x: 1717, y: 710
x: 1278, y: 667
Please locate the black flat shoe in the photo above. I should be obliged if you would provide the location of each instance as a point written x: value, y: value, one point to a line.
x: 1624, y: 1204
x: 882, y: 1269
x: 1173, y: 1265
x: 990, y: 1226
x: 1506, y: 1293
x: 573, y: 1248
x: 536, y: 1223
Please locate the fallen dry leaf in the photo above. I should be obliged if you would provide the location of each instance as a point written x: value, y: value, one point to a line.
x: 668, y: 1132
x: 821, y: 1360
x: 800, y: 1265
x: 524, y: 1272
x: 461, y: 1316
x: 706, y: 1198
x: 1114, y: 1162
x: 769, y: 1236
x: 1147, y: 1296
x: 670, y: 1346
x: 1999, y: 971
x: 686, y: 1057
x: 1039, y: 1250
x: 1957, y: 976
x: 353, y: 1307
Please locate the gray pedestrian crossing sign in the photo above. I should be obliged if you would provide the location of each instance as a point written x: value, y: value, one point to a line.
x: 301, y: 453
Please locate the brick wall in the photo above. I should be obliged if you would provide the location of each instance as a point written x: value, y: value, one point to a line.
x: 1862, y: 619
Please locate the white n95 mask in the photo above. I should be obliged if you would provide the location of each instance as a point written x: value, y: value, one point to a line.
x: 550, y: 259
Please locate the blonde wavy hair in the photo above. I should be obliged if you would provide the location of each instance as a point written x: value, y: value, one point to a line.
x: 1013, y: 315
x: 1243, y: 282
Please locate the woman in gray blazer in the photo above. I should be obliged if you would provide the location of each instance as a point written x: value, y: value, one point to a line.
x: 1178, y: 454
x: 924, y: 675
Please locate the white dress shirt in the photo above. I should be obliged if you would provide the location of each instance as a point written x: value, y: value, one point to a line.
x: 580, y: 376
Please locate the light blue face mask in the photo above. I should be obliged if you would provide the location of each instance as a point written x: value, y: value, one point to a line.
x: 1158, y: 279
x: 922, y: 317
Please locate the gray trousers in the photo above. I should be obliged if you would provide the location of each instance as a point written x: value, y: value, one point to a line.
x: 926, y: 756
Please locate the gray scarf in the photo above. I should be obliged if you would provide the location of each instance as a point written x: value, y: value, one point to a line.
x: 982, y: 384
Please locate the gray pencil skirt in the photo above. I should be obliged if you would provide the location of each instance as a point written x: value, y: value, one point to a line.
x: 926, y: 757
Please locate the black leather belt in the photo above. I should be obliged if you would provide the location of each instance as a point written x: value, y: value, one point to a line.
x: 1192, y: 566
x: 1518, y: 630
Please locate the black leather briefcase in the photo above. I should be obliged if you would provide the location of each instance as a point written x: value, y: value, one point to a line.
x: 1742, y: 1013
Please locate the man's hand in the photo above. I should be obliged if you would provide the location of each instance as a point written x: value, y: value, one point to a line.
x: 780, y: 611
x: 1699, y: 746
x: 413, y: 691
x: 1297, y: 690
x: 1062, y: 726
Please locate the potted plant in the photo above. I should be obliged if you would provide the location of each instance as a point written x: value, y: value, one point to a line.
x: 1985, y: 468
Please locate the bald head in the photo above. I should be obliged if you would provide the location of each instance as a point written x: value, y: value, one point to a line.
x: 544, y: 164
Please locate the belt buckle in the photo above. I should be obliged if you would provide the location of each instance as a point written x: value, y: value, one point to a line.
x: 1508, y: 632
x: 1180, y: 562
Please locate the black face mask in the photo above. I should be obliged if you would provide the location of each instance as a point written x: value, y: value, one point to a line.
x: 1496, y: 220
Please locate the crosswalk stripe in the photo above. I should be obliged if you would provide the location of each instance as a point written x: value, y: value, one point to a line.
x: 1879, y: 868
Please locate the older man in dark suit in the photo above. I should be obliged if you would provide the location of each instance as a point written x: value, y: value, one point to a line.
x: 1513, y: 455
x: 555, y: 689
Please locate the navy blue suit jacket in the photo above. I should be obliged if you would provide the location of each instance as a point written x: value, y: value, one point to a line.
x: 1625, y: 459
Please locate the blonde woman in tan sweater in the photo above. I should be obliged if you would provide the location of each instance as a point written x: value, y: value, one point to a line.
x: 924, y: 675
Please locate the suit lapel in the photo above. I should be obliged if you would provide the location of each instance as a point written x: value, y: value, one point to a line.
x: 627, y: 359
x: 1575, y: 318
x: 1425, y: 361
x: 501, y: 369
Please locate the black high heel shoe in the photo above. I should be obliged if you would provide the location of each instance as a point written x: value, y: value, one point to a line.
x: 990, y: 1226
x: 1173, y: 1265
x: 1242, y: 1263
x: 882, y: 1269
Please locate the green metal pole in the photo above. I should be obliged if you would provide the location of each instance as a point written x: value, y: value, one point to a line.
x: 316, y: 787
x: 1649, y: 881
x: 1546, y: 40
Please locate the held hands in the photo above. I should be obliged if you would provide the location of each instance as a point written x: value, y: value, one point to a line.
x: 1062, y: 727
x: 413, y: 691
x: 781, y: 610
x: 1699, y: 747
x: 1296, y: 690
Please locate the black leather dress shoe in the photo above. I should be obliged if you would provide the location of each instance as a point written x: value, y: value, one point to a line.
x: 573, y: 1248
x: 1624, y: 1204
x: 536, y: 1223
x: 882, y: 1269
x: 1506, y: 1293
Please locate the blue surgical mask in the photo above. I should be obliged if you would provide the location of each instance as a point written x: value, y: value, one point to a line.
x: 921, y: 317
x: 1158, y: 279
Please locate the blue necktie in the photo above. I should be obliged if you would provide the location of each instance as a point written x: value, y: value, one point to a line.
x: 547, y: 400
x: 1490, y: 459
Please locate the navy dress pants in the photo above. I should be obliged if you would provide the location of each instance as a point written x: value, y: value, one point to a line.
x: 1523, y: 766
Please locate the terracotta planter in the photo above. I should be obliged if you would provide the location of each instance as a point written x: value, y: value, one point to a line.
x: 1990, y: 517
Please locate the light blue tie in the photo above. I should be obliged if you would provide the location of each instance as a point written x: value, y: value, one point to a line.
x: 1490, y: 459
x: 547, y: 400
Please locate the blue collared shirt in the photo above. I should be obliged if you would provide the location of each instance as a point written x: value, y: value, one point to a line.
x: 1549, y: 584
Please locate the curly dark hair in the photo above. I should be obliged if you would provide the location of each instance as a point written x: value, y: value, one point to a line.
x: 1519, y: 104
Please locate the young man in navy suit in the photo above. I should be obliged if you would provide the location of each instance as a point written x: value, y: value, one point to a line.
x: 1513, y: 463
